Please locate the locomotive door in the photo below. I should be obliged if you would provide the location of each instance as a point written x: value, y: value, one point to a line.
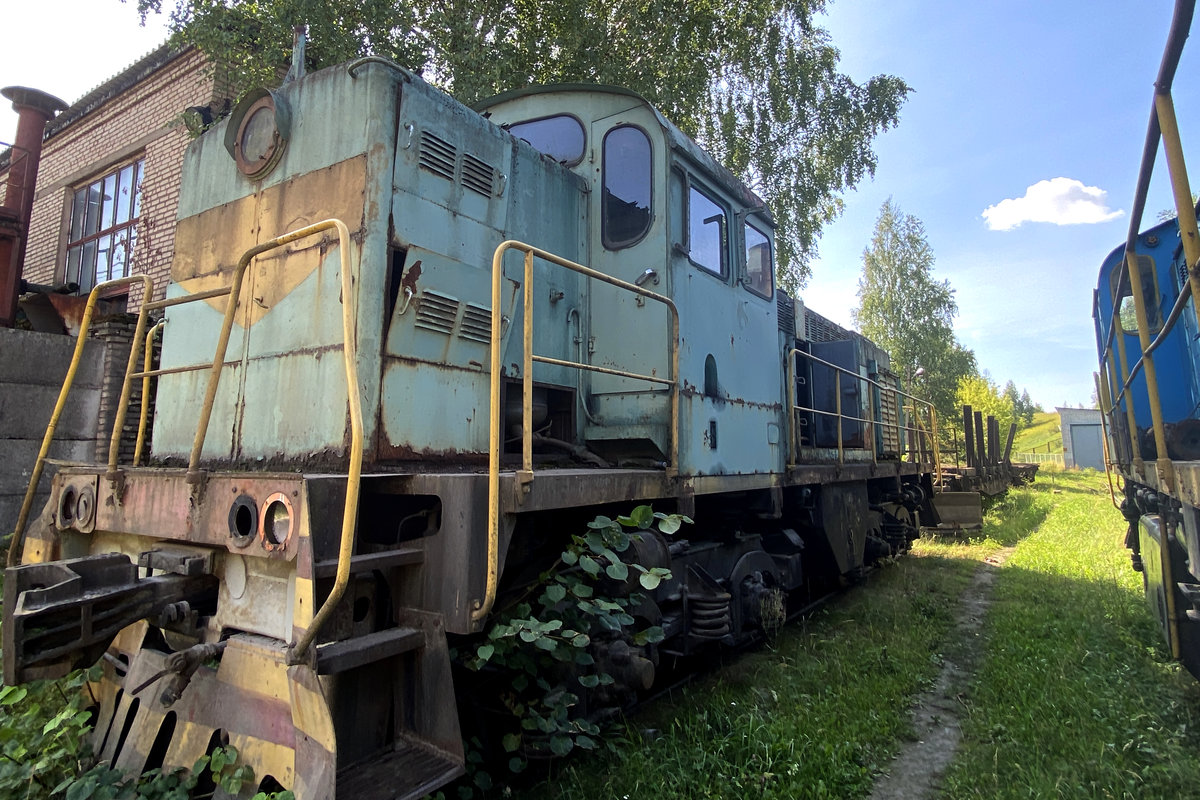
x: 825, y: 383
x: 629, y: 417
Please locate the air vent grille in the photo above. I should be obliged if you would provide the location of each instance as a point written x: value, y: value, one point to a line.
x: 477, y: 176
x: 437, y: 312
x: 820, y: 329
x: 787, y: 314
x: 476, y: 324
x: 437, y: 155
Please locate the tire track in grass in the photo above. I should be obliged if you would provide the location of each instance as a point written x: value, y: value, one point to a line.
x: 917, y: 769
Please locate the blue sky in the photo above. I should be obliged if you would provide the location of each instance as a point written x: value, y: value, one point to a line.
x: 1006, y: 95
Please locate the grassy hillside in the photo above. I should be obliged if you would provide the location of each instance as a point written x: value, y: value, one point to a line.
x: 1040, y: 437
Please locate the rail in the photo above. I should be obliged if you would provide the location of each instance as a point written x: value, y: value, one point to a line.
x: 1163, y: 128
x: 916, y: 439
x: 525, y: 474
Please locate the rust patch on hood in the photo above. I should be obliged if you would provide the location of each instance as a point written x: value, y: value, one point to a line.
x: 409, y: 282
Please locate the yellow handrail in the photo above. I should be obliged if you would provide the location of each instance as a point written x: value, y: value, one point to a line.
x: 297, y: 651
x: 18, y: 537
x: 145, y: 375
x: 794, y: 443
x: 525, y: 475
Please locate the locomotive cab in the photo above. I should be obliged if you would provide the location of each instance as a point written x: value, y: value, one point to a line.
x: 672, y: 220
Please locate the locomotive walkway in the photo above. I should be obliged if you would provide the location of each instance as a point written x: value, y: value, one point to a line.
x: 917, y: 769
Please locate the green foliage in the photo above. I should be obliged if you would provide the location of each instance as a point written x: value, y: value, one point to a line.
x: 982, y: 394
x: 43, y: 730
x: 816, y: 715
x: 102, y: 782
x: 755, y: 82
x: 549, y: 644
x: 1023, y: 407
x: 44, y: 752
x: 1042, y: 436
x: 908, y: 313
x: 1071, y: 695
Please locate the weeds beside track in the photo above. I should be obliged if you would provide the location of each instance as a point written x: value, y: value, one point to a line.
x: 1072, y: 695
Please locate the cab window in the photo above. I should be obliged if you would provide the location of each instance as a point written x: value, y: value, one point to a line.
x: 706, y: 232
x: 625, y: 214
x: 760, y: 269
x: 1126, y: 311
x: 560, y: 137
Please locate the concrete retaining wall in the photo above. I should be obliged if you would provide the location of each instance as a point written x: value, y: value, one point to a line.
x: 32, y: 369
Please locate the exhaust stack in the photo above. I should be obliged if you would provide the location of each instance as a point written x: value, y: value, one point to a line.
x: 34, y: 109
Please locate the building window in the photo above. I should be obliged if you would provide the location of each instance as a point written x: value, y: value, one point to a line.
x: 104, y: 217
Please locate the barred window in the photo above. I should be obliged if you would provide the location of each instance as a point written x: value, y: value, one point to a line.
x: 103, y: 232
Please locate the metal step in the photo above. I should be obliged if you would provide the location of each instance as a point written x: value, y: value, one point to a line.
x: 411, y: 771
x: 350, y: 653
x: 365, y: 562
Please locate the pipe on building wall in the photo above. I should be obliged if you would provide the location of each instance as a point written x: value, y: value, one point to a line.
x: 34, y: 109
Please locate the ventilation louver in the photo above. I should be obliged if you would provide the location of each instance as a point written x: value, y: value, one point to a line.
x: 477, y: 176
x: 437, y: 312
x: 787, y: 314
x: 437, y: 155
x: 476, y: 324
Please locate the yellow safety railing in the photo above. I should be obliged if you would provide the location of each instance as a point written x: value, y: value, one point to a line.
x: 194, y: 474
x: 17, y: 543
x: 1163, y: 128
x: 921, y: 439
x: 525, y: 474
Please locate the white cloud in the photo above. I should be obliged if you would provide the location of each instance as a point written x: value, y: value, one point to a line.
x: 1062, y: 201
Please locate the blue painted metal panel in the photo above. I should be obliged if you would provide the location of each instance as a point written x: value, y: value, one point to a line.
x: 1174, y: 360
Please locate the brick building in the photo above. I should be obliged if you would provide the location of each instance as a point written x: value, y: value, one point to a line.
x: 104, y: 207
x: 108, y: 181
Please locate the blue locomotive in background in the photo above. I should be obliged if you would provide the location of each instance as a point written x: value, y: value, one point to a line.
x: 409, y: 348
x: 1148, y: 340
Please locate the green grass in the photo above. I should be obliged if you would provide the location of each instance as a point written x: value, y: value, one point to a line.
x: 1075, y: 696
x: 1072, y: 697
x: 819, y: 713
x: 1043, y: 433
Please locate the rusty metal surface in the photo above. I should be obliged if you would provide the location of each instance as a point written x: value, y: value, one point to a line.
x: 275, y: 716
x: 287, y: 399
x: 161, y: 504
x: 209, y: 244
x: 959, y: 509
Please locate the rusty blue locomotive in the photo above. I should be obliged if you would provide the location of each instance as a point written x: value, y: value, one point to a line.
x: 407, y: 347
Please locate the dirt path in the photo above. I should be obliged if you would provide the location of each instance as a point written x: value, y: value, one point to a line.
x: 917, y: 770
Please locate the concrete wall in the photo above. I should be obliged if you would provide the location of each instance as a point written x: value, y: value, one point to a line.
x: 32, y: 368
